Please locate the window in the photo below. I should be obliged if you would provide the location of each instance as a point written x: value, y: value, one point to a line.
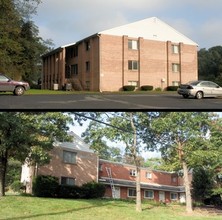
x: 4, y: 79
x: 87, y: 66
x: 175, y: 83
x: 173, y: 196
x: 131, y: 192
x: 133, y: 83
x: 148, y: 194
x: 173, y: 179
x: 175, y: 49
x: 69, y: 157
x: 148, y: 175
x: 67, y: 181
x: 133, y: 65
x: 176, y: 67
x: 75, y: 51
x: 87, y: 44
x: 133, y: 44
x: 132, y: 172
x: 74, y: 69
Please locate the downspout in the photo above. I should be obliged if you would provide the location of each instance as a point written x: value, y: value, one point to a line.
x: 99, y: 63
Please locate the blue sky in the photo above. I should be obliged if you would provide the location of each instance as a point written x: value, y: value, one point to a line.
x: 68, y: 21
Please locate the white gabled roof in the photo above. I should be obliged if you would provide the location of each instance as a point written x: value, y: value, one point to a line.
x: 150, y: 29
x: 77, y: 144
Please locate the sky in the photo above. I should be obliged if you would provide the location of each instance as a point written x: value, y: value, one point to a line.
x: 68, y: 21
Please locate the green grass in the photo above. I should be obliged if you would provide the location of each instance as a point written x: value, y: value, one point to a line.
x: 23, y: 207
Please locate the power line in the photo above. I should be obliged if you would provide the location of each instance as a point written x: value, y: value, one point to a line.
x: 102, y: 122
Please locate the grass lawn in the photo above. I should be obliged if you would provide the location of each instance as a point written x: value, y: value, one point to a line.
x: 22, y: 207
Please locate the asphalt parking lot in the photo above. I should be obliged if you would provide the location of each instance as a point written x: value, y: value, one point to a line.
x: 107, y: 102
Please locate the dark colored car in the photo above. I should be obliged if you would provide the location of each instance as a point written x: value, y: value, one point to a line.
x: 9, y: 85
x: 200, y: 89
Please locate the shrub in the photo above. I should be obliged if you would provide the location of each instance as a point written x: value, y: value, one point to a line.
x: 16, y: 186
x: 158, y: 89
x: 146, y: 88
x: 129, y: 88
x: 172, y: 88
x: 67, y: 191
x: 45, y: 186
x: 93, y: 190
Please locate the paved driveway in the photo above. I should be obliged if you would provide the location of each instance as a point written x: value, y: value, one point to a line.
x: 107, y: 102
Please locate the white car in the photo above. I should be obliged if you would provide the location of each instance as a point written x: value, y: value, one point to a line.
x: 200, y: 89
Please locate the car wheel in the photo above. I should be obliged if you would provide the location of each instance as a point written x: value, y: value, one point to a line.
x: 199, y: 95
x: 19, y: 90
x: 185, y: 96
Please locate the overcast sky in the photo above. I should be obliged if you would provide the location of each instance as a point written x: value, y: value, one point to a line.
x: 68, y: 21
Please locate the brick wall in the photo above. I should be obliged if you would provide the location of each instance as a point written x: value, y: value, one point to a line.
x: 83, y: 171
x: 122, y: 171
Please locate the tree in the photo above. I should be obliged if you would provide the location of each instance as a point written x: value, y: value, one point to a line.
x: 29, y: 135
x: 187, y: 140
x: 202, y: 184
x: 20, y: 46
x: 210, y: 64
x: 129, y: 128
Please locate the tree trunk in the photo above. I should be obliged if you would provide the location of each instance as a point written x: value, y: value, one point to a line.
x: 138, y: 191
x: 3, y: 168
x: 189, y: 206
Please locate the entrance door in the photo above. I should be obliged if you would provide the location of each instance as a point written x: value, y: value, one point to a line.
x: 161, y: 196
x: 117, y: 192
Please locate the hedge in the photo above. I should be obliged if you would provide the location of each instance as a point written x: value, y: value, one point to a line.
x: 172, y: 88
x: 129, y: 88
x: 45, y: 186
x: 48, y: 186
x: 146, y: 88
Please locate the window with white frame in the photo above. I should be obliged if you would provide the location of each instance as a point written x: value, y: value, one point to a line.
x: 176, y: 67
x: 149, y: 194
x: 148, y: 175
x: 133, y: 65
x: 175, y: 49
x: 173, y: 196
x: 173, y: 179
x: 67, y: 181
x: 132, y: 172
x: 131, y: 192
x: 175, y: 83
x: 133, y: 83
x: 69, y: 157
x: 133, y: 44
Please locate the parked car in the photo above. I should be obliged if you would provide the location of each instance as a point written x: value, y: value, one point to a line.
x: 9, y: 85
x: 200, y: 89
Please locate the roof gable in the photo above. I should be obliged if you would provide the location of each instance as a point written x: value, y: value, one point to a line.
x: 150, y: 29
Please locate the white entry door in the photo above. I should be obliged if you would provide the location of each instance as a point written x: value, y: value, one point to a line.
x: 182, y: 197
x: 117, y: 192
x: 161, y: 196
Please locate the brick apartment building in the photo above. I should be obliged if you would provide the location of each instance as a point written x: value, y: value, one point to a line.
x: 75, y: 164
x: 146, y: 52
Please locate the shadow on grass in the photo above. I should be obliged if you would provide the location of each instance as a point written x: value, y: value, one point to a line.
x: 53, y: 213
